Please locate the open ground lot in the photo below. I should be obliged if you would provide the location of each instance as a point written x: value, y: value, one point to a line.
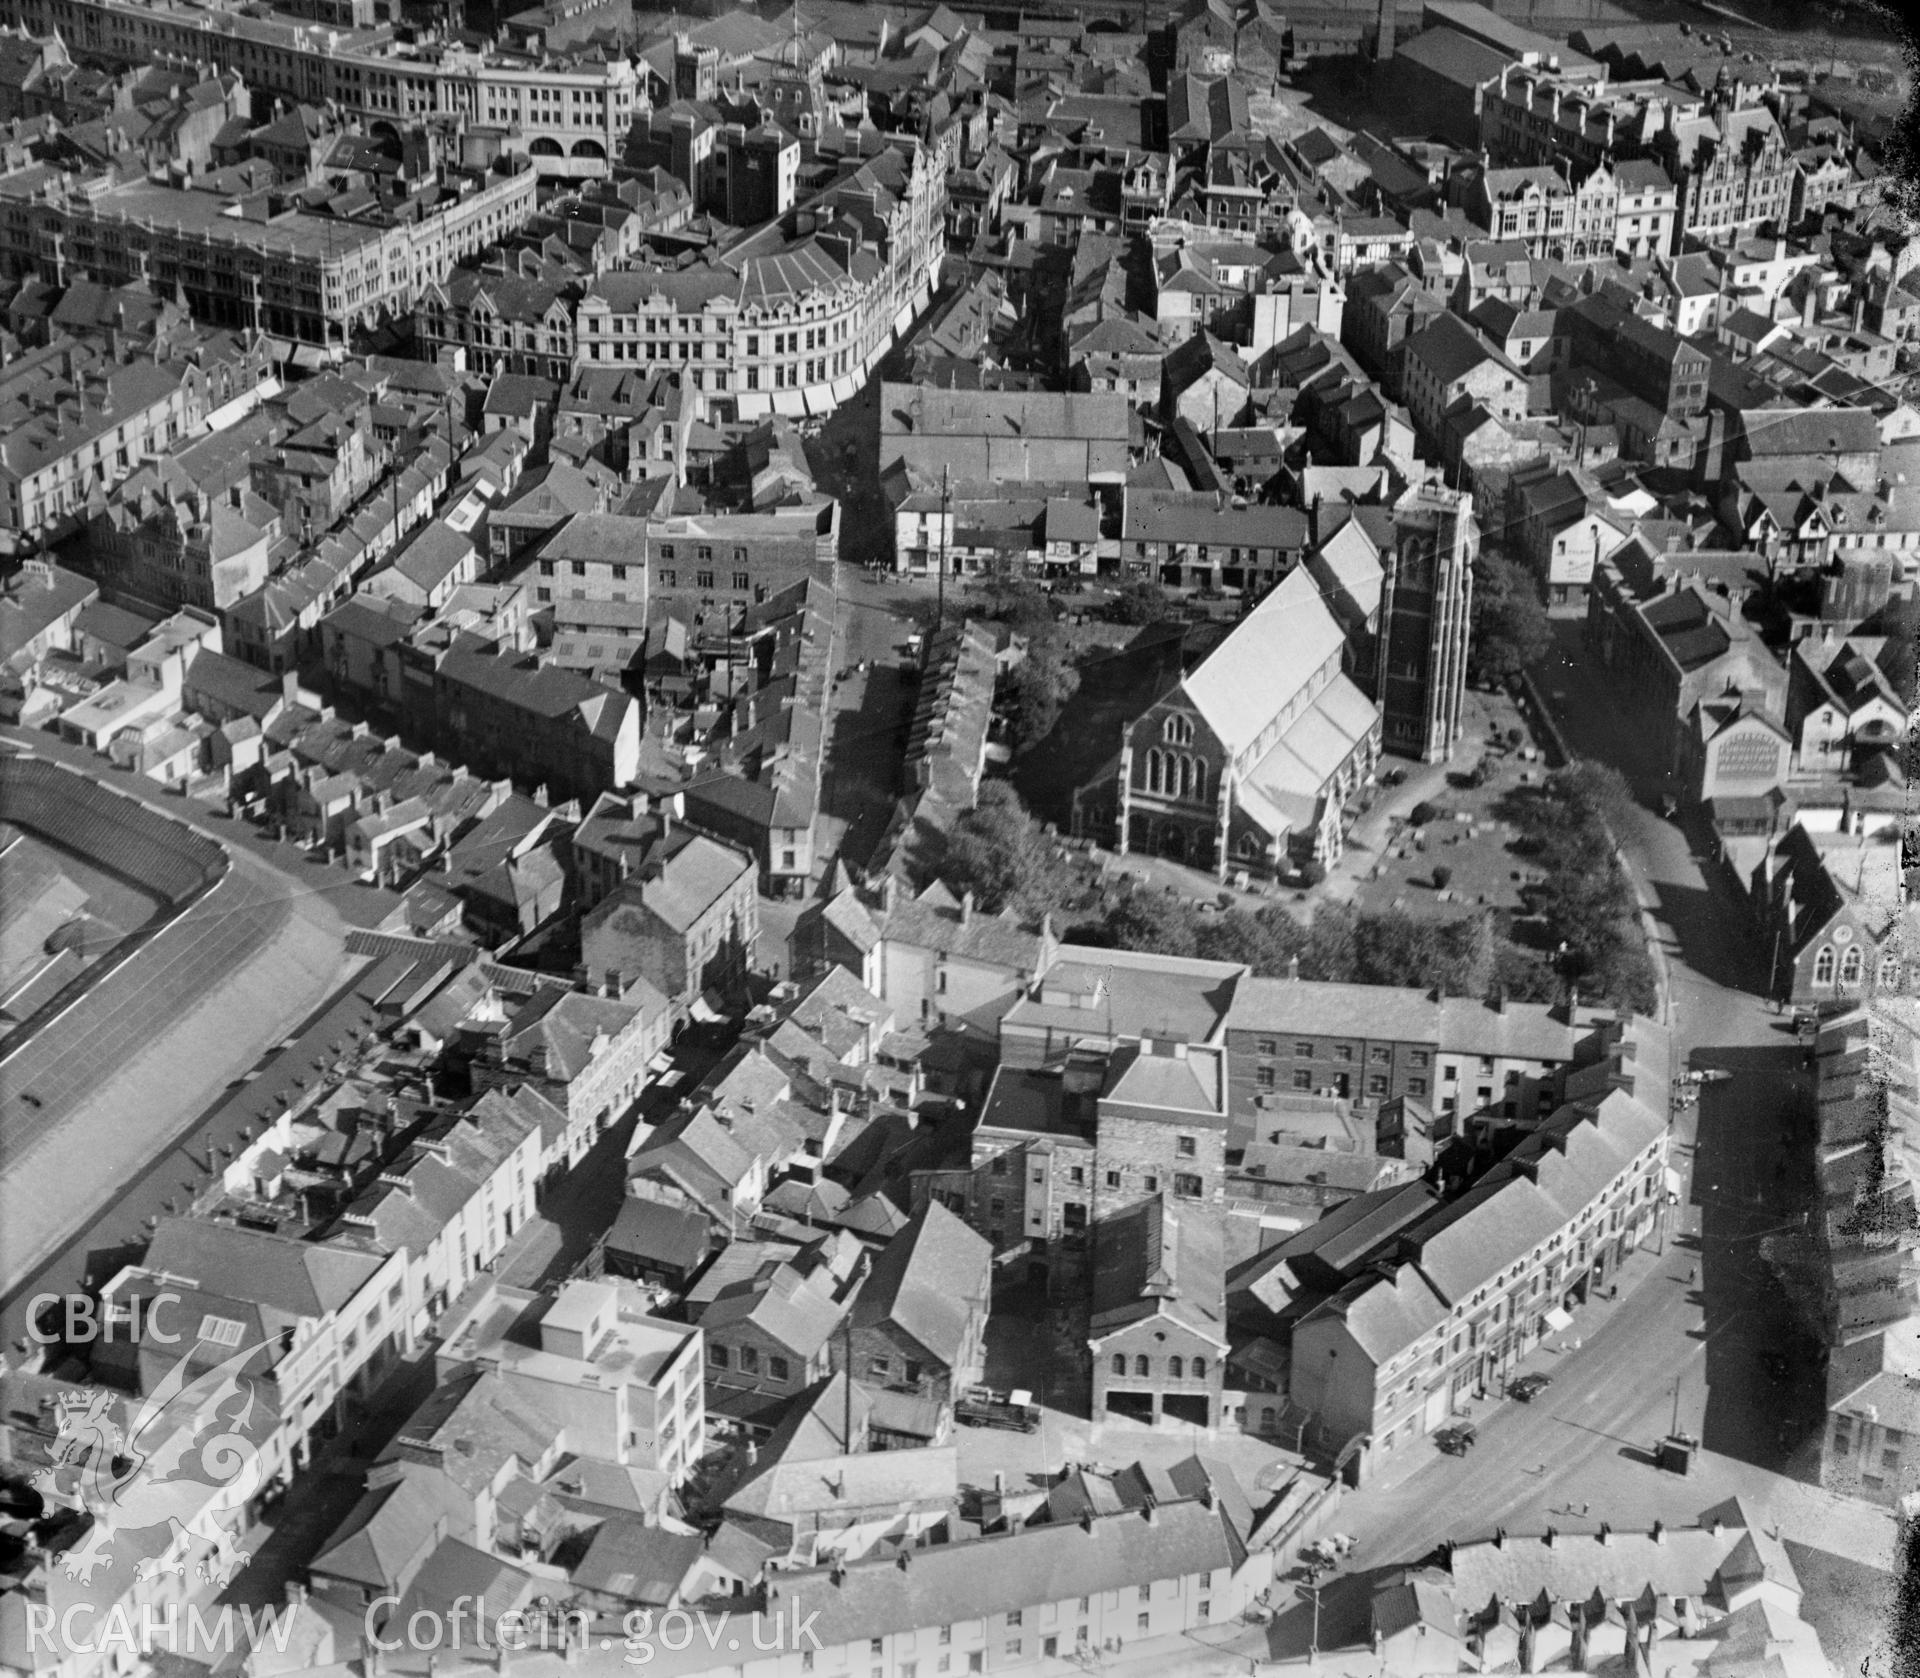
x: 102, y: 1110
x: 58, y: 914
x: 1465, y: 836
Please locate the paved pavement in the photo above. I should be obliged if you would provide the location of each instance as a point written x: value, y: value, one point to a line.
x: 128, y: 1083
x: 67, y: 1228
x: 1688, y: 1330
x: 867, y: 719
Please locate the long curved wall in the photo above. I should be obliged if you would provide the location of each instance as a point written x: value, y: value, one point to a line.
x: 114, y: 832
x: 118, y: 833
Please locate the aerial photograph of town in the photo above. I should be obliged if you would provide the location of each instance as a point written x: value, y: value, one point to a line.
x: 896, y: 839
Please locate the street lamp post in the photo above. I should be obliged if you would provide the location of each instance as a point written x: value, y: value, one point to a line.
x: 1313, y: 1584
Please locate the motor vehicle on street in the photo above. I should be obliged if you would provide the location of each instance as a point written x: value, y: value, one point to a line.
x: 1529, y: 1387
x: 983, y: 1407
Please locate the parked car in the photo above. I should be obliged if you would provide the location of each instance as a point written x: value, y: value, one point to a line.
x: 1528, y: 1387
x: 982, y: 1407
x: 1457, y: 1439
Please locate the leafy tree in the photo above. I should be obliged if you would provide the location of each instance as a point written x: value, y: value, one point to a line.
x: 997, y: 851
x: 1140, y: 602
x: 1524, y: 975
x: 1586, y: 897
x: 1266, y: 941
x: 1441, y: 875
x: 1509, y: 631
x: 1332, y: 947
x: 1024, y: 606
x: 1152, y: 921
x: 1039, y: 688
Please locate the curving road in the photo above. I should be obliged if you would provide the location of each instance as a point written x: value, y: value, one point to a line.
x: 52, y: 1074
x: 113, y: 1109
x: 1687, y: 1333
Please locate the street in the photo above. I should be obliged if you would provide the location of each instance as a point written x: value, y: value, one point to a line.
x: 258, y: 963
x: 1685, y: 1340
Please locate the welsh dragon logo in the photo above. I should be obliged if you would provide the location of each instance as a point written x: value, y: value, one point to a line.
x: 183, y: 1463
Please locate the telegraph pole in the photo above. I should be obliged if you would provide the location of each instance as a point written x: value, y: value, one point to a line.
x: 940, y: 596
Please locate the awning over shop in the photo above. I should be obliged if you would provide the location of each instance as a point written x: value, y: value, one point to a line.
x: 1557, y: 1319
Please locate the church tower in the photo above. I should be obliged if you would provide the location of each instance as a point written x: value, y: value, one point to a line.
x: 1426, y: 601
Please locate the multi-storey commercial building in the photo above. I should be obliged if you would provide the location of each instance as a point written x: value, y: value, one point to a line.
x: 588, y: 1055
x: 782, y: 322
x: 1463, y: 1293
x: 507, y: 714
x: 1554, y: 214
x: 740, y: 559
x: 1111, y: 1092
x: 74, y: 424
x: 1538, y: 114
x: 1722, y: 151
x: 569, y: 114
x: 627, y: 1386
x: 687, y: 922
x: 1208, y: 541
x: 308, y: 277
x: 1859, y: 1258
x: 320, y: 1322
x: 1369, y: 1044
x: 500, y: 322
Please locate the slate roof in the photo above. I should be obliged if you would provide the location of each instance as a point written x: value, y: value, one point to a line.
x: 928, y: 1282
x: 1251, y: 676
x: 946, y: 1584
x: 936, y: 921
x: 655, y: 1232
x: 1688, y: 1561
x: 637, y: 1562
x: 1400, y: 1013
x: 785, y: 1306
x: 1451, y: 349
x: 1813, y: 431
x: 296, y: 1279
x: 1159, y: 1259
x: 386, y: 1535
x: 30, y: 604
